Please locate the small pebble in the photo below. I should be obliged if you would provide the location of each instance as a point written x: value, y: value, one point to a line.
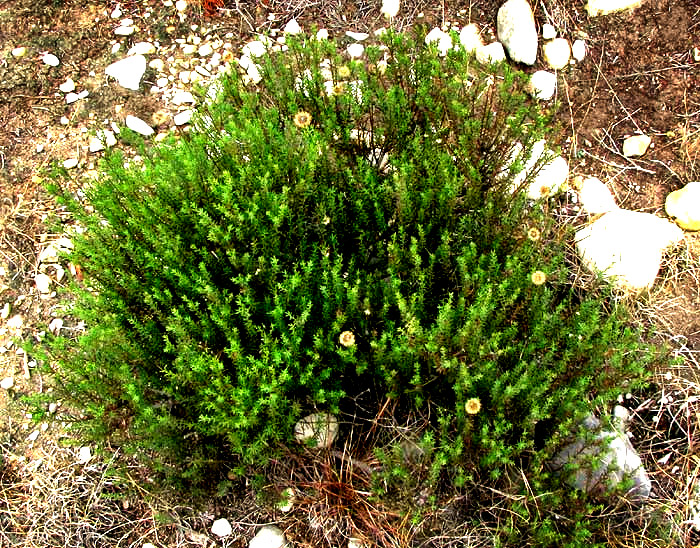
x: 50, y: 59
x: 7, y: 383
x: 67, y: 86
x: 221, y: 528
x: 70, y: 163
x: 19, y: 52
x: 578, y: 50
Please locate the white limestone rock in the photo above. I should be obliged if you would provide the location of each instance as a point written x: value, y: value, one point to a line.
x: 268, y: 537
x: 470, y: 38
x: 605, y: 7
x: 292, y: 27
x: 18, y: 52
x: 128, y: 71
x: 491, y: 53
x: 594, y: 196
x: 43, y: 283
x: 50, y: 59
x: 123, y: 30
x: 139, y: 126
x: 182, y: 97
x: 578, y: 50
x: 684, y: 206
x: 84, y: 455
x: 615, y: 461
x: 256, y: 48
x: 182, y: 118
x: 517, y: 31
x: 548, y: 32
x: 636, y: 145
x: 67, y: 86
x: 103, y: 139
x: 626, y: 247
x: 390, y: 8
x: 318, y: 429
x: 358, y: 36
x: 70, y: 163
x: 355, y: 50
x: 543, y: 85
x: 7, y: 383
x: 221, y: 528
x: 441, y: 39
x: 557, y: 53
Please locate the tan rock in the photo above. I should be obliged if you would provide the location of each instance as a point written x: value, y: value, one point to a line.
x: 684, y: 206
x: 636, y: 145
x: 557, y: 53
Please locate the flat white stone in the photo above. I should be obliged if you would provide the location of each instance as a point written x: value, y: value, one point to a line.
x: 70, y: 163
x: 182, y: 118
x: 139, y: 126
x: 71, y: 98
x: 50, y: 59
x: 182, y: 97
x: 359, y: 36
x: 156, y: 64
x: 605, y: 7
x: 221, y: 528
x: 268, y: 537
x: 142, y: 48
x: 124, y: 31
x: 549, y: 179
x: 684, y: 206
x: 103, y: 138
x: 181, y: 6
x: 548, y: 31
x: 470, y: 38
x: 18, y: 52
x: 491, y: 53
x: 7, y: 383
x: 636, y: 145
x: 355, y: 50
x: 557, y: 53
x: 578, y: 50
x: 626, y: 247
x: 322, y: 34
x: 67, y: 86
x: 292, y: 27
x: 441, y: 39
x: 321, y: 428
x: 15, y: 322
x: 116, y: 13
x: 517, y: 31
x: 543, y: 85
x: 594, y: 195
x: 128, y: 71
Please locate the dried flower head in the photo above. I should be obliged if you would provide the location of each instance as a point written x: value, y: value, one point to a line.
x: 343, y: 71
x: 302, y: 119
x: 473, y: 406
x: 538, y: 277
x: 533, y: 234
x: 347, y: 339
x: 338, y: 89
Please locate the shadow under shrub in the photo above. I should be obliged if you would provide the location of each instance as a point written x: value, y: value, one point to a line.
x: 337, y: 201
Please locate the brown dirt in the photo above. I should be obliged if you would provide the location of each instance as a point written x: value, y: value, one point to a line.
x: 640, y: 76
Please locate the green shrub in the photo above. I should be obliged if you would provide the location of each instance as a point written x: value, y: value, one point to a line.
x: 222, y: 275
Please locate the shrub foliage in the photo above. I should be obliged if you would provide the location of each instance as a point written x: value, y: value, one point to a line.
x: 372, y: 197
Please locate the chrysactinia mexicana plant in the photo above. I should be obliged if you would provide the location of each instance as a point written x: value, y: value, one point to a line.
x: 342, y: 227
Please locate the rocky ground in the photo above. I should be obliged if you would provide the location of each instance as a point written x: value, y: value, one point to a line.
x: 640, y: 75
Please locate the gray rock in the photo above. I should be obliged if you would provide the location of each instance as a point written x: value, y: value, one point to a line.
x: 320, y: 429
x: 517, y: 31
x: 604, y: 459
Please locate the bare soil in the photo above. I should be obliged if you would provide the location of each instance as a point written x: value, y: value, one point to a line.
x: 641, y: 75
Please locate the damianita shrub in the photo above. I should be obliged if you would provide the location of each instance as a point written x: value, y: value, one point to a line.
x: 340, y: 228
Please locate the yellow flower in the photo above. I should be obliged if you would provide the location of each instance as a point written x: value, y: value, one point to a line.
x: 338, y: 89
x: 302, y: 119
x: 533, y: 234
x: 347, y: 339
x: 538, y: 277
x: 473, y: 406
x: 344, y: 71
